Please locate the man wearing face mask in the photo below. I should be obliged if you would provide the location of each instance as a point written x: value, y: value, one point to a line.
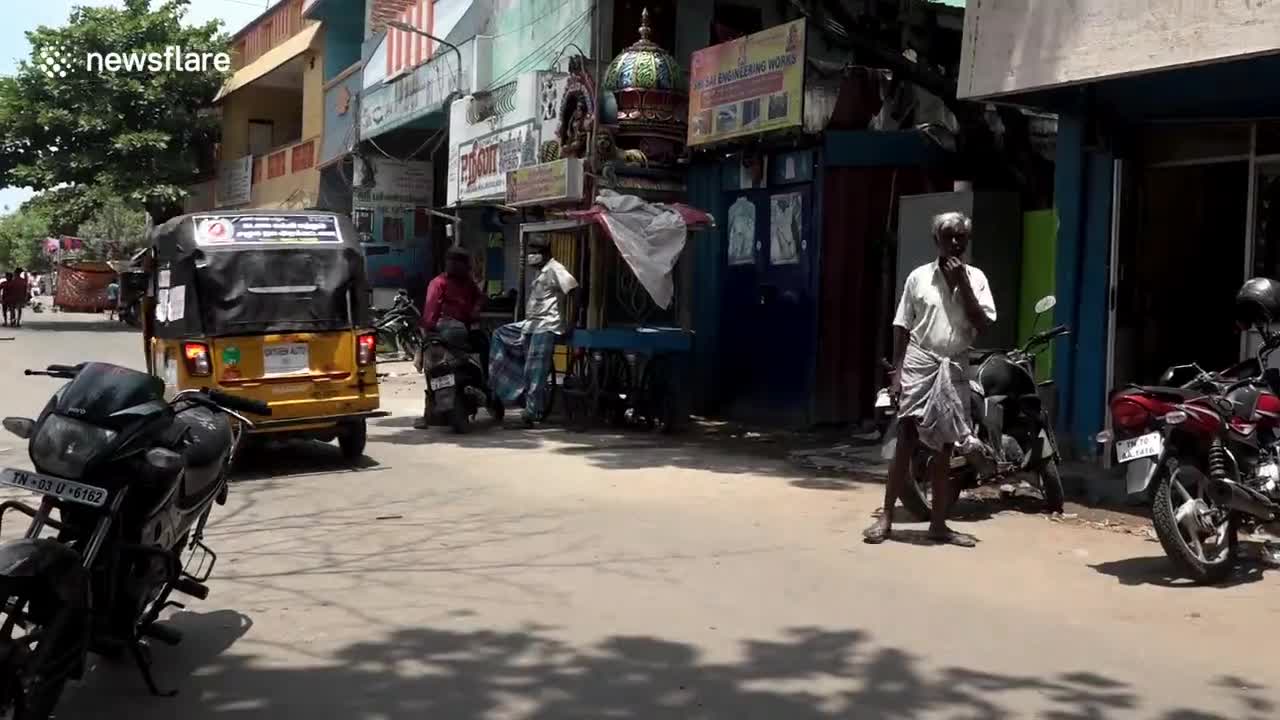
x: 944, y: 305
x: 521, y: 353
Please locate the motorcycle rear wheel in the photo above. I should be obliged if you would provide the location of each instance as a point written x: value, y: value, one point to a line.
x: 1181, y: 541
x: 1051, y: 485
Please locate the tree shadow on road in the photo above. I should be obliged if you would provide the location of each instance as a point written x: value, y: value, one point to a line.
x: 808, y: 674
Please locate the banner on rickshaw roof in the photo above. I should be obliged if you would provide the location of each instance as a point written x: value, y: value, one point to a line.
x: 285, y: 228
x: 747, y: 86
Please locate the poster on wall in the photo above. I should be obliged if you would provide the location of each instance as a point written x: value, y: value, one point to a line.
x: 784, y: 230
x: 746, y: 86
x: 742, y: 232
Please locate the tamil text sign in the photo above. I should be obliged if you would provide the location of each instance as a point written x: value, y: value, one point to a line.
x: 554, y: 182
x: 483, y: 163
x: 235, y: 182
x: 750, y: 85
x: 1018, y: 45
x: 395, y: 183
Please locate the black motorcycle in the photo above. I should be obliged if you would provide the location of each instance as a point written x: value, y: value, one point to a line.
x: 398, y: 328
x: 133, y: 479
x: 457, y: 380
x: 1009, y: 419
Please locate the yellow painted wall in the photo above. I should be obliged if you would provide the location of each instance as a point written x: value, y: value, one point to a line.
x: 313, y: 90
x: 290, y: 191
x: 281, y: 106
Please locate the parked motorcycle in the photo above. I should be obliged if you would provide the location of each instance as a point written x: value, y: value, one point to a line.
x: 1218, y: 455
x: 398, y: 328
x: 457, y: 380
x: 1138, y: 411
x: 1009, y: 419
x: 133, y: 479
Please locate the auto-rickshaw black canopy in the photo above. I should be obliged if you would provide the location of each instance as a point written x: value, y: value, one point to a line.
x: 246, y: 272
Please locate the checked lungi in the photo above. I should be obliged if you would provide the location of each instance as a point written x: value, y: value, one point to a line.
x: 935, y: 393
x: 519, y: 363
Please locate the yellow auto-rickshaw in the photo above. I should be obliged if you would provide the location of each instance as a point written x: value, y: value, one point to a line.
x: 269, y: 305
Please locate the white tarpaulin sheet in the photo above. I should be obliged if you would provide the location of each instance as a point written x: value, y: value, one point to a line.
x: 650, y: 238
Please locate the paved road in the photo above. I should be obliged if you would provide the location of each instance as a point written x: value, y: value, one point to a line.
x: 514, y: 574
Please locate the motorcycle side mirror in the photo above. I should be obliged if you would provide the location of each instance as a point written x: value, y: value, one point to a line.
x: 1045, y: 304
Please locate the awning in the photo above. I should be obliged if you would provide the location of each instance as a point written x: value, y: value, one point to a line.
x: 270, y: 60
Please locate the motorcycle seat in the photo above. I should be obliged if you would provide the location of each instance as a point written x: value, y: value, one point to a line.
x: 978, y: 356
x: 207, y: 443
x: 1171, y: 393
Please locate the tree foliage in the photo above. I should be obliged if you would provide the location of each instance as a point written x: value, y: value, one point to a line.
x: 22, y: 236
x: 114, y: 232
x: 137, y: 134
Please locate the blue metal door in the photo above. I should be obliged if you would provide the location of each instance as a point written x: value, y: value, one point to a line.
x: 768, y: 314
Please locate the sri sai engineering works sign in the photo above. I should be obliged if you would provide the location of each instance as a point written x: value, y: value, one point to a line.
x: 746, y: 86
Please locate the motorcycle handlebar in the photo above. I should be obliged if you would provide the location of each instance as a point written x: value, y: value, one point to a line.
x: 239, y: 404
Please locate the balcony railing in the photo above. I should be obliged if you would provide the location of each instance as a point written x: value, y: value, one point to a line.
x: 287, y: 160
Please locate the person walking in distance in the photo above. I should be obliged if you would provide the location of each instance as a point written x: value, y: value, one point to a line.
x: 944, y: 305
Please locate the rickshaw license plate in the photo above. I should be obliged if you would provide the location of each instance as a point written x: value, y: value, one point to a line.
x: 285, y: 358
x: 442, y: 382
x: 57, y: 487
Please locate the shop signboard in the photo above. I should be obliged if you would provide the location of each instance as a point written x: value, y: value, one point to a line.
x: 415, y: 94
x: 235, y: 182
x: 395, y: 184
x: 483, y: 163
x: 546, y: 184
x: 1012, y: 47
x: 747, y: 86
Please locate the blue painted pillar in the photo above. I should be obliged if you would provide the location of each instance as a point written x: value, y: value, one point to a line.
x: 1089, y: 404
x: 1068, y: 188
x: 1082, y: 189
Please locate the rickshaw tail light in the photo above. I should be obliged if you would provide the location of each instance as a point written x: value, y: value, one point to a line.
x: 366, y: 349
x: 197, y: 356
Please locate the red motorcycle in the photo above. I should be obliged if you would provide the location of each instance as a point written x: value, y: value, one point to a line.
x: 1137, y: 416
x: 1218, y: 459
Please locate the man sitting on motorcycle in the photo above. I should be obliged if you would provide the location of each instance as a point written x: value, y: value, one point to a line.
x: 944, y: 305
x: 453, y: 296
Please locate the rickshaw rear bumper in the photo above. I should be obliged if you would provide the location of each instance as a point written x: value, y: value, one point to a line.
x: 305, y: 424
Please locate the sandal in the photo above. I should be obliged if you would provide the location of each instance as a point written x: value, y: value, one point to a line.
x: 951, y: 537
x: 876, y: 534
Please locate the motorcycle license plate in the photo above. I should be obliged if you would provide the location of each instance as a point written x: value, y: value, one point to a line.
x: 1149, y: 445
x: 442, y: 382
x: 57, y: 487
x: 882, y: 399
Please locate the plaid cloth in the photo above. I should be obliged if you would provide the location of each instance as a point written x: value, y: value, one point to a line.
x: 519, y: 364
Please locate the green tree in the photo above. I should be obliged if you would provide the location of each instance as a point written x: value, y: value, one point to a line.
x: 135, y: 134
x: 114, y: 232
x: 22, y: 236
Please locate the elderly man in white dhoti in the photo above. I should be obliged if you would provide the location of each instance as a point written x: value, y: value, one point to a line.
x: 944, y: 305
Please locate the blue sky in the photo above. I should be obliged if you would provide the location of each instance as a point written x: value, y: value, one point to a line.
x: 23, y: 15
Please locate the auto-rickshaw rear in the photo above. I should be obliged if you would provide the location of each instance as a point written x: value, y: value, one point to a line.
x: 273, y: 306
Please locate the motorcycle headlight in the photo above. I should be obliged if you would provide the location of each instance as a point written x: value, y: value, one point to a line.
x: 63, y: 446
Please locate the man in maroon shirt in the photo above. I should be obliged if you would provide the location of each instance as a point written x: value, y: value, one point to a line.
x: 453, y: 293
x: 452, y: 297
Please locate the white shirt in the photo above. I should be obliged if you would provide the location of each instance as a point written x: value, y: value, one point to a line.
x: 934, y: 314
x: 544, y: 299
